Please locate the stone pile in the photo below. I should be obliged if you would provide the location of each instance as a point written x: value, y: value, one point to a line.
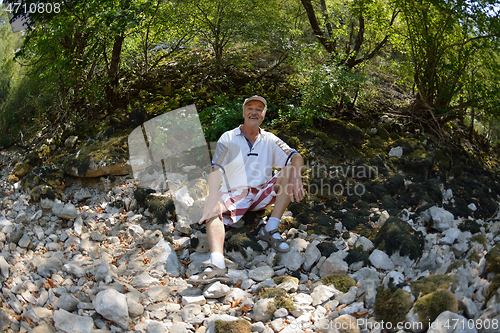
x: 83, y: 264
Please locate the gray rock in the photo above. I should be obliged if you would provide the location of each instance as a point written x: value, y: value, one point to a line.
x: 67, y: 302
x: 65, y: 211
x: 163, y: 260
x: 4, y: 267
x: 68, y: 322
x: 143, y: 280
x: 396, y: 152
x: 43, y: 328
x: 449, y: 322
x: 311, y: 256
x: 112, y: 305
x: 261, y: 273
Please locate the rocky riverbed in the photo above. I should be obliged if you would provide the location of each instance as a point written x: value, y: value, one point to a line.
x: 98, y: 261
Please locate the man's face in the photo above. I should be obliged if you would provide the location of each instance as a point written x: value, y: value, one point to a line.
x: 253, y: 113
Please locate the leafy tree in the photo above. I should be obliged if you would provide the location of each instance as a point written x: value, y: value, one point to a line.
x: 351, y: 32
x: 162, y: 29
x: 221, y: 23
x: 9, y: 69
x: 450, y: 44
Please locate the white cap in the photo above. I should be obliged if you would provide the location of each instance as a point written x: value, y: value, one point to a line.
x: 256, y: 98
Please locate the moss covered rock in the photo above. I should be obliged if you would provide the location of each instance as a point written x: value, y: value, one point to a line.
x: 493, y: 288
x: 398, y: 236
x: 340, y: 281
x: 241, y: 241
x: 104, y: 155
x: 281, y: 298
x: 433, y: 283
x: 493, y: 260
x: 237, y: 326
x: 23, y: 167
x: 44, y: 182
x: 430, y: 306
x: 392, y: 306
x: 161, y: 206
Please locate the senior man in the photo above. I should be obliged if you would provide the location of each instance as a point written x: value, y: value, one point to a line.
x: 242, y: 179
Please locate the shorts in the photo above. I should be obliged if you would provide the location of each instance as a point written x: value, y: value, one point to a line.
x: 253, y: 198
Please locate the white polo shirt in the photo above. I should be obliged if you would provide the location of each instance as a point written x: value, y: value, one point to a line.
x: 245, y: 165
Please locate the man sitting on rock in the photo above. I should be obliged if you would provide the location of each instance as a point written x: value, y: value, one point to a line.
x: 243, y: 162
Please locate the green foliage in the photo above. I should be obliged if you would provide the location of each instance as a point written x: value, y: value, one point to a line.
x: 329, y: 87
x: 449, y: 43
x: 221, y: 117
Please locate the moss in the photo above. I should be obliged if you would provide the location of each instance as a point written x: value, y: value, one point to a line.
x: 480, y: 238
x: 241, y: 241
x: 162, y: 207
x: 428, y: 307
x: 276, y: 259
x: 456, y: 265
x: 22, y: 168
x: 398, y: 236
x: 288, y: 223
x: 492, y: 290
x: 469, y: 225
x: 433, y: 283
x: 493, y: 260
x: 341, y: 282
x: 356, y: 255
x: 281, y: 279
x: 474, y: 256
x: 237, y: 326
x: 392, y: 306
x: 281, y: 298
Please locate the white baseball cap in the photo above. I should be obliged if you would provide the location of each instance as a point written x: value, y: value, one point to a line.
x: 256, y: 98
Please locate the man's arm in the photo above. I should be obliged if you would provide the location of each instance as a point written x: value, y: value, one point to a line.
x: 295, y: 188
x: 213, y: 205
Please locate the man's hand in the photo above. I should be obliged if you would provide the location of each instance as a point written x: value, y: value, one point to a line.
x: 213, y: 208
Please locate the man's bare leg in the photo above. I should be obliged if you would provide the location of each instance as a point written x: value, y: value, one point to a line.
x: 216, y: 234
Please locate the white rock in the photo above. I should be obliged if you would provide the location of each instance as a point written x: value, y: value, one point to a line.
x: 323, y: 293
x: 365, y: 243
x: 68, y: 322
x: 292, y: 259
x: 448, y: 195
x: 441, y: 219
x: 381, y: 260
x: 201, y: 300
x: 396, y: 152
x: 335, y: 264
x: 472, y: 207
x: 449, y: 236
x: 216, y: 290
x: 383, y: 218
x: 112, y: 305
x: 144, y: 280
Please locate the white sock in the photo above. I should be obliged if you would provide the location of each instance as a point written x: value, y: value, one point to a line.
x: 273, y: 223
x: 217, y: 259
